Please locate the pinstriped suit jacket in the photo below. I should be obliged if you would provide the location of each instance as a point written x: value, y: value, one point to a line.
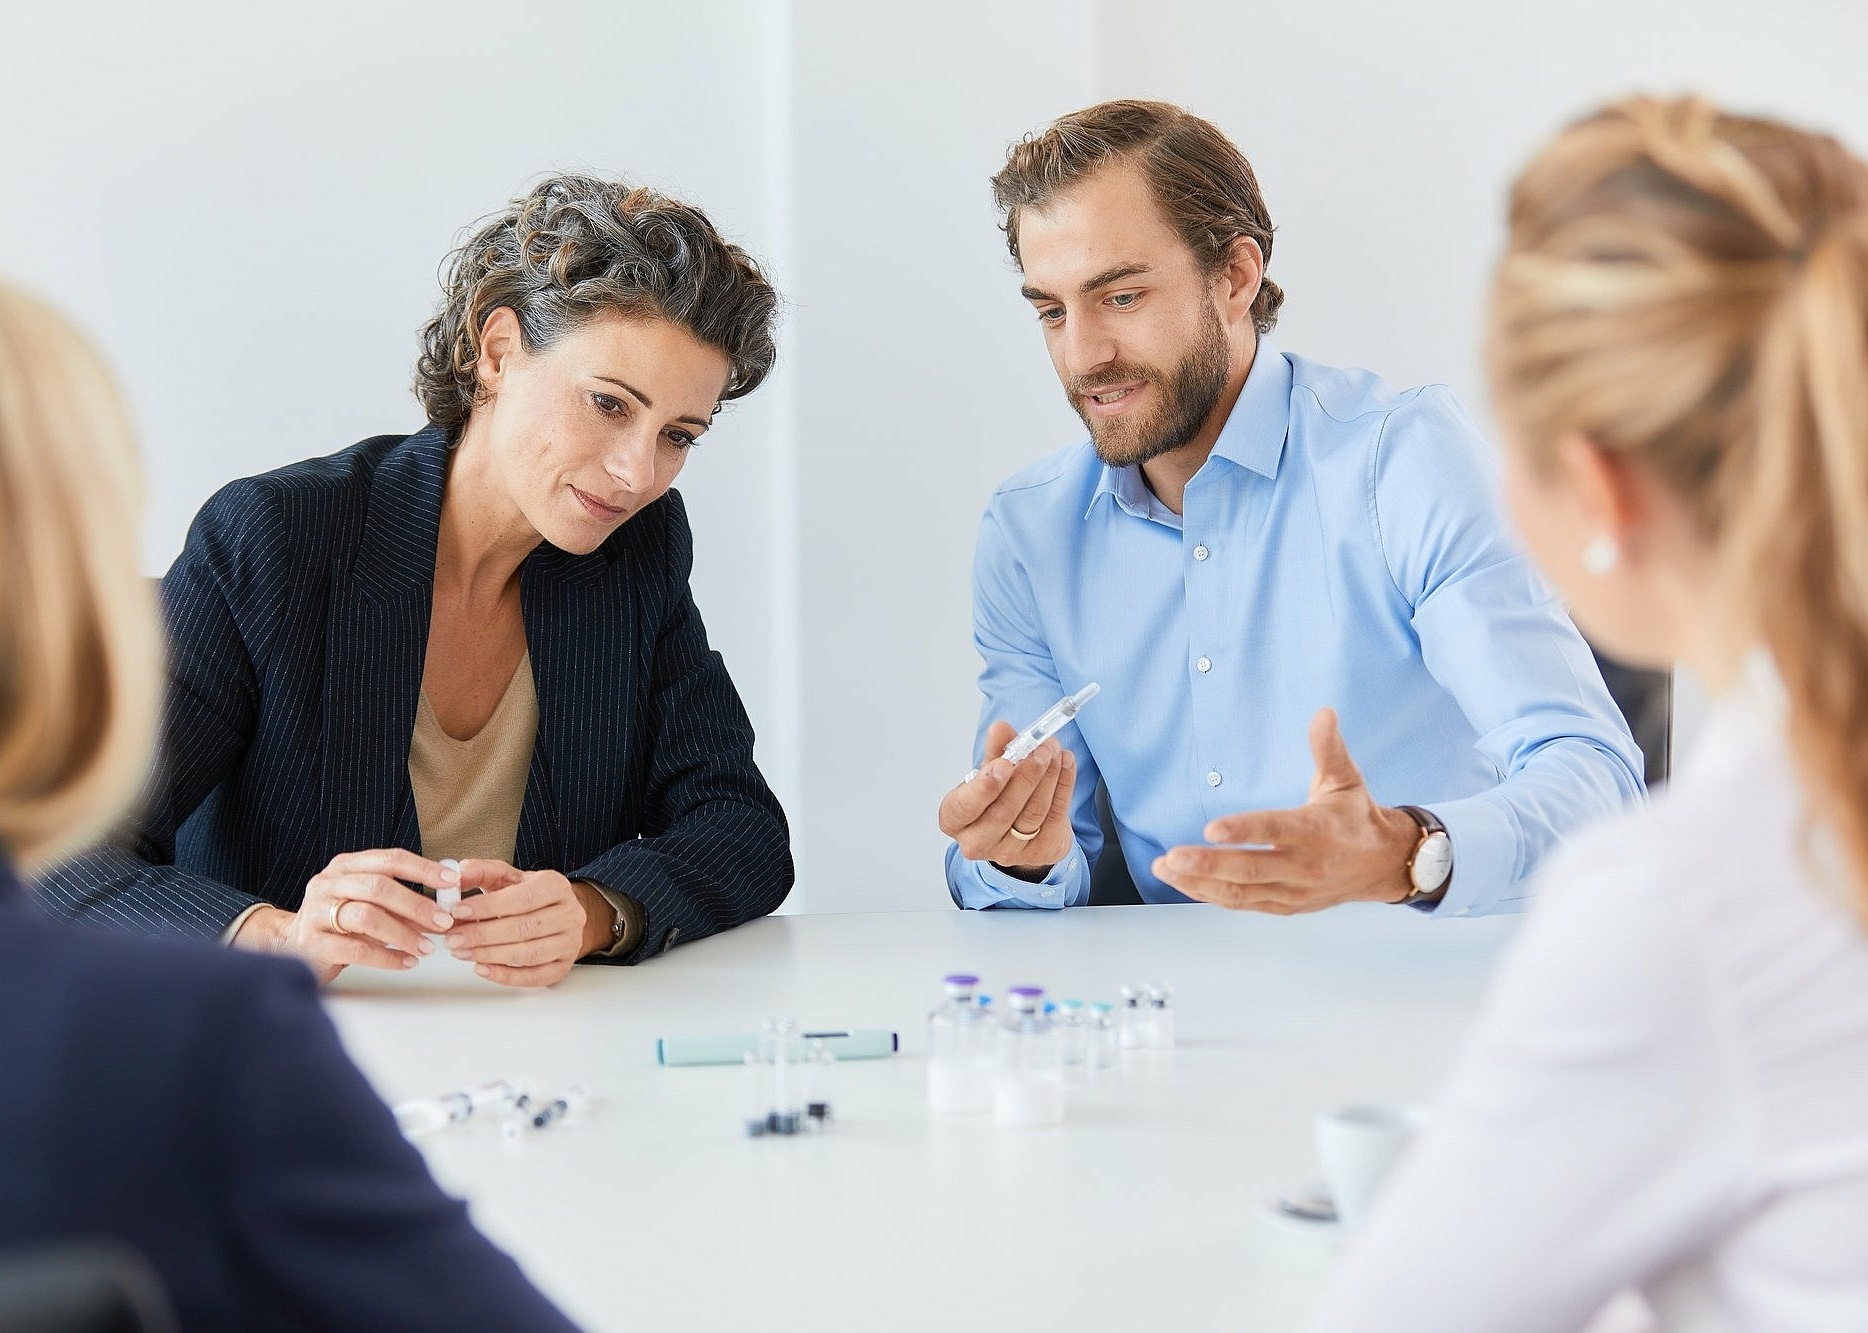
x: 298, y: 622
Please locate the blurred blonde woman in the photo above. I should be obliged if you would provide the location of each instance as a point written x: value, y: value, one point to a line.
x: 1669, y: 1089
x: 145, y: 1101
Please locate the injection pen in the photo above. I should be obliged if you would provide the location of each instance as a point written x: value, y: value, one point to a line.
x: 1053, y: 720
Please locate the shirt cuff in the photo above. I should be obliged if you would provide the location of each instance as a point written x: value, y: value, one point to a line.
x: 233, y: 927
x: 634, y: 918
x: 983, y: 884
x: 1485, y: 858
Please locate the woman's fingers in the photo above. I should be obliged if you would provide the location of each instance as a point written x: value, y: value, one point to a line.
x: 554, y: 918
x: 358, y: 950
x: 386, y: 893
x: 528, y: 893
x: 396, y: 863
x: 358, y: 917
x: 556, y: 948
x: 547, y: 975
x: 487, y: 874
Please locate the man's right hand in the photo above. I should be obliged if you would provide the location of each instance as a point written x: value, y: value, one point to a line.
x: 1015, y: 815
x: 355, y: 911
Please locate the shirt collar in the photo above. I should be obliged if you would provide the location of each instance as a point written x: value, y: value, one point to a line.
x: 1253, y: 436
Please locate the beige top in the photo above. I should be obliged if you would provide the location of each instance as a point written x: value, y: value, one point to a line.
x: 468, y: 792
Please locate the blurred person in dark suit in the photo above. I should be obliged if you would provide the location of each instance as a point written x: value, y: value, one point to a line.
x: 147, y: 1102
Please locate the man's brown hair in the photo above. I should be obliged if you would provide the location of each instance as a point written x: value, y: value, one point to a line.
x: 1201, y: 181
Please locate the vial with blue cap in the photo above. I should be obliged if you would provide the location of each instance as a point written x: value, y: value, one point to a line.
x: 1105, y: 1036
x: 1073, y: 1033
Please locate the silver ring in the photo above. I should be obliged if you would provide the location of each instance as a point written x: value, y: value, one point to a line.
x: 337, y: 908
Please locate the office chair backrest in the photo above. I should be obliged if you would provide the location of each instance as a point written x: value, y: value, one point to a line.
x: 81, y: 1287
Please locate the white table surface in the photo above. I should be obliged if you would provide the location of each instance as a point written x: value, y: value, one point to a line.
x: 1145, y: 1209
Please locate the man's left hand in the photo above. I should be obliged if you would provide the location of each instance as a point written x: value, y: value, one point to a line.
x: 1338, y: 847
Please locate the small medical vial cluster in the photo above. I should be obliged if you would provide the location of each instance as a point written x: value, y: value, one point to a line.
x: 1017, y: 1062
x: 789, y: 1080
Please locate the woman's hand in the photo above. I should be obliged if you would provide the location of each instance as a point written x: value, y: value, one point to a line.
x: 355, y: 911
x: 1016, y: 816
x: 525, y: 928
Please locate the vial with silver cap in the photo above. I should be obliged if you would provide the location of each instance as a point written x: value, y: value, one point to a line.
x: 1160, y: 1017
x: 960, y: 1050
x: 1132, y: 1018
x: 1029, y: 1089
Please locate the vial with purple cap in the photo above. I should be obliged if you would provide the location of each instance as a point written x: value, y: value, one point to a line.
x: 1029, y: 1089
x: 960, y: 1050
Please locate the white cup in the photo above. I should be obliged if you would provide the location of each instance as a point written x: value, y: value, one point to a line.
x: 1358, y: 1147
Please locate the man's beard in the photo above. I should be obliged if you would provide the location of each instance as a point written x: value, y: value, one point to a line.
x: 1186, y: 400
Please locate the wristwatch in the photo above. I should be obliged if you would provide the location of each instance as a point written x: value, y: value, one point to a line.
x: 1430, y: 868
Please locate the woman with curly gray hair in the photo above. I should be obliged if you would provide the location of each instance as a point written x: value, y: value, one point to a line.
x: 468, y: 659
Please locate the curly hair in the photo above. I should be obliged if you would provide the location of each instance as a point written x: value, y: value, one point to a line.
x: 575, y: 247
x: 1202, y: 182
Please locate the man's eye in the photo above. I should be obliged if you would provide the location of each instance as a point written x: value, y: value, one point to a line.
x: 1123, y: 300
x: 1051, y: 314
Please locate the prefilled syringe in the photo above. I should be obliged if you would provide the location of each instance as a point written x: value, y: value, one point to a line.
x: 1053, y: 720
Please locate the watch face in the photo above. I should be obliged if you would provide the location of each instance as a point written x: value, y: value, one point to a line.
x: 1433, y: 863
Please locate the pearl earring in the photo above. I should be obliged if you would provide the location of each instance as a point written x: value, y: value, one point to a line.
x: 1601, y: 555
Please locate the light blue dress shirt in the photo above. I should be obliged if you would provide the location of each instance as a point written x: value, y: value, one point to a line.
x: 1345, y: 546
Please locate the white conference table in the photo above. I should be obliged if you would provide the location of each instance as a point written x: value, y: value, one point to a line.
x: 1145, y: 1209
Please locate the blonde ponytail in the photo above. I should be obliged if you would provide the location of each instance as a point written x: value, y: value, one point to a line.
x: 1690, y: 288
x: 1798, y: 538
x: 80, y: 668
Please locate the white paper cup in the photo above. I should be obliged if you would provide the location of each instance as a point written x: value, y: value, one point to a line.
x: 1358, y: 1147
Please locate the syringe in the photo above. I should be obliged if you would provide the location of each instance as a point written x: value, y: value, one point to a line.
x: 1053, y: 720
x: 423, y: 1114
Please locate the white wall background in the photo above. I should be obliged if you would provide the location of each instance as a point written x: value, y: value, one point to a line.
x: 248, y: 211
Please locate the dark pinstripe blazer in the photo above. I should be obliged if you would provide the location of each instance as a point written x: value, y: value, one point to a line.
x: 146, y: 1102
x: 298, y: 621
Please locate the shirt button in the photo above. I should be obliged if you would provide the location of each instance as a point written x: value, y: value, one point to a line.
x: 1204, y: 665
x: 1201, y: 553
x: 1213, y: 778
x: 1048, y: 893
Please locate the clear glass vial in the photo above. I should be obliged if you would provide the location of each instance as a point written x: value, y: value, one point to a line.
x: 1029, y: 1089
x: 960, y: 1050
x: 1160, y: 1017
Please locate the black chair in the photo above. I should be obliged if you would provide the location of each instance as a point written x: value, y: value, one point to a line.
x: 1644, y: 697
x: 82, y: 1287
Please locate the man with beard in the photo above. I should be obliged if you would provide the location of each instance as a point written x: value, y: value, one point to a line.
x: 1268, y: 565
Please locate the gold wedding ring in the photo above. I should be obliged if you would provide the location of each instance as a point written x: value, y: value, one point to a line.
x: 337, y: 909
x: 1023, y: 836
